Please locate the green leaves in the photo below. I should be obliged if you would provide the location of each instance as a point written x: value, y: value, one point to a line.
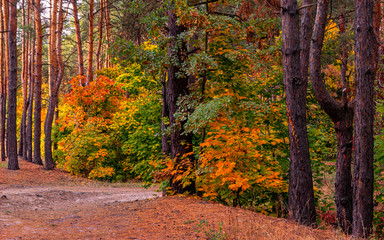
x: 206, y: 113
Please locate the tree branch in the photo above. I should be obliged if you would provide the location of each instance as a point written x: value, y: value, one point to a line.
x: 229, y: 15
x: 202, y: 3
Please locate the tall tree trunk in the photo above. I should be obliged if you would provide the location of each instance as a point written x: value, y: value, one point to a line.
x: 28, y: 77
x: 57, y: 71
x: 301, y: 196
x: 78, y: 39
x: 13, y: 163
x: 90, y: 45
x: 30, y: 106
x: 177, y: 85
x: 341, y: 114
x: 4, y: 145
x: 165, y: 148
x: 24, y: 76
x: 98, y: 53
x: 38, y: 80
x: 2, y: 75
x: 55, y: 145
x: 365, y: 69
x: 108, y: 27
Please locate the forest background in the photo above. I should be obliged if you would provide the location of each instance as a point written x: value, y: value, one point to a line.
x: 186, y: 93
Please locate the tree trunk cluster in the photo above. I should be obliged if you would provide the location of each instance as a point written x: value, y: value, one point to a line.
x: 353, y: 119
x: 29, y: 146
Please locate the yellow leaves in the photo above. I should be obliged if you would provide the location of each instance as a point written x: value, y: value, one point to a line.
x: 147, y: 45
x: 331, y: 31
x: 101, y: 172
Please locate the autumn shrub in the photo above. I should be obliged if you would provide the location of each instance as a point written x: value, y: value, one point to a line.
x: 110, y: 129
x: 233, y: 166
x: 84, y: 130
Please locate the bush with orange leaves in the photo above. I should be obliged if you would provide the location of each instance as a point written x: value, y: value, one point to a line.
x: 84, y: 137
x: 234, y: 169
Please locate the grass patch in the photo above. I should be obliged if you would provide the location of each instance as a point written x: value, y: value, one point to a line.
x: 3, y: 164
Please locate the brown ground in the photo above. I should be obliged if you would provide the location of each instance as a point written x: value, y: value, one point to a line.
x: 39, y: 204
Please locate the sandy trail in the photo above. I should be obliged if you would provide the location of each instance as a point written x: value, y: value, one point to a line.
x: 39, y: 204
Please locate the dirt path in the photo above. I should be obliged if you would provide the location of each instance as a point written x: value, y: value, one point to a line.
x: 39, y: 204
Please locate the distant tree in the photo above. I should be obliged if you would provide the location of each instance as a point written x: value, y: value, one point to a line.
x: 38, y: 81
x: 78, y: 39
x: 100, y: 40
x: 90, y: 43
x: 24, y: 78
x: 13, y: 163
x: 55, y: 78
x: 2, y: 76
x: 4, y: 81
x: 108, y: 27
x: 30, y: 103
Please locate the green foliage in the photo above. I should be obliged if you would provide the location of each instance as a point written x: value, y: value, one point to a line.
x: 211, y: 234
x: 138, y: 130
x: 379, y: 173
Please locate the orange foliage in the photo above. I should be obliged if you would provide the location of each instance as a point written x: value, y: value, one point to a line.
x: 88, y: 112
x: 233, y: 160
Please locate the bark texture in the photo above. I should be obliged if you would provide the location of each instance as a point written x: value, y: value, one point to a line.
x: 38, y: 79
x: 98, y: 53
x: 366, y: 48
x: 57, y: 71
x: 301, y: 196
x: 30, y: 106
x: 341, y: 114
x: 24, y: 79
x: 2, y: 79
x: 4, y: 88
x: 13, y: 163
x: 165, y: 148
x: 90, y: 43
x: 108, y: 27
x: 78, y: 39
x: 177, y: 86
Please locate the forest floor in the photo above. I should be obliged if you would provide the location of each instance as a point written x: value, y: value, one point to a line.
x: 40, y: 204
